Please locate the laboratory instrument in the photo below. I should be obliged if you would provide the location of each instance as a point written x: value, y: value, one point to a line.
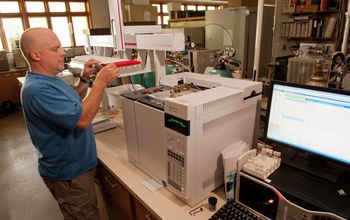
x: 175, y: 132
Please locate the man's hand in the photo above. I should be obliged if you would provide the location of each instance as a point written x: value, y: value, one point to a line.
x: 107, y: 74
x: 92, y: 102
x: 89, y: 68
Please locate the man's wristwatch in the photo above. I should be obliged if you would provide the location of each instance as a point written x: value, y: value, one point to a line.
x: 83, y: 80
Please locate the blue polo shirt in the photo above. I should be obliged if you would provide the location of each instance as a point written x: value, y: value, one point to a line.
x: 51, y: 110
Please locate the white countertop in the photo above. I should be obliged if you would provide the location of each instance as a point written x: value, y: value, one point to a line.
x: 112, y: 152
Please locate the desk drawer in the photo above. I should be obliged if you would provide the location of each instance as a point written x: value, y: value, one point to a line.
x: 116, y: 191
x: 141, y: 212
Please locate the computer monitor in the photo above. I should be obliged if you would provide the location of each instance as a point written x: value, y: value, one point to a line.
x: 311, y: 127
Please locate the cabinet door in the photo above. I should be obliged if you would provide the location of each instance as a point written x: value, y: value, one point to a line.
x: 10, y: 87
x: 141, y: 212
x: 119, y: 197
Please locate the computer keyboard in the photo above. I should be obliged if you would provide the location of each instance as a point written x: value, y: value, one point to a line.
x: 232, y: 211
x: 103, y: 126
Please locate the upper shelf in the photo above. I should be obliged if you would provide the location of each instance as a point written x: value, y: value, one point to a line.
x: 188, y: 19
x: 315, y: 12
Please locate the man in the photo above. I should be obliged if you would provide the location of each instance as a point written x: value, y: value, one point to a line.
x: 58, y: 119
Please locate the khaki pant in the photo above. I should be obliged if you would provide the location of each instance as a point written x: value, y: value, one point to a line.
x: 77, y: 197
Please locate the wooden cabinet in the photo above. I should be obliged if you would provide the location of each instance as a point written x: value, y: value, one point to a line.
x: 118, y: 199
x: 141, y: 212
x: 121, y: 205
x: 10, y: 87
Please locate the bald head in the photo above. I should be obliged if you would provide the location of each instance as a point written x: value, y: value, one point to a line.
x: 35, y: 39
x: 42, y: 50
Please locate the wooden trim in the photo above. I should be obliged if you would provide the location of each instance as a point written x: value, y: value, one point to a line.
x: 25, y: 16
x: 188, y: 19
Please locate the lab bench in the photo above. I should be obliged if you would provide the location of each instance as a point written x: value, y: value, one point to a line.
x: 123, y: 182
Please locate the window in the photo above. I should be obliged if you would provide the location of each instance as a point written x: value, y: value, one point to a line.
x: 158, y: 7
x: 159, y: 20
x: 191, y: 7
x: 201, y: 8
x: 38, y: 22
x: 165, y: 20
x: 57, y: 7
x: 61, y: 28
x: 9, y: 7
x: 165, y: 8
x: 14, y: 28
x: 35, y: 7
x: 79, y: 24
x: 67, y: 18
x: 164, y: 15
x: 77, y: 6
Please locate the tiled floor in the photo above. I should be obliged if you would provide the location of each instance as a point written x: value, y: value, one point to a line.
x: 23, y: 194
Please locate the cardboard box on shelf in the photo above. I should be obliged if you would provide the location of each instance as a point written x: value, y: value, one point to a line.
x: 288, y: 9
x: 137, y: 13
x: 174, y: 6
x: 306, y: 8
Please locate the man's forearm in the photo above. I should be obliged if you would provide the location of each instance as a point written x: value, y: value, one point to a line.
x: 91, y: 105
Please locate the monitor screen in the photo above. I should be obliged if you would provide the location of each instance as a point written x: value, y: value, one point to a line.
x: 312, y: 120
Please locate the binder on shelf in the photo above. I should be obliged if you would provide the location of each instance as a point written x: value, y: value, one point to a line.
x: 286, y: 34
x: 330, y: 27
x: 319, y: 28
x: 311, y: 23
x: 302, y: 30
x: 306, y: 34
x: 324, y: 5
x: 325, y: 23
x: 291, y: 30
x: 294, y: 30
x: 298, y: 30
x: 314, y: 28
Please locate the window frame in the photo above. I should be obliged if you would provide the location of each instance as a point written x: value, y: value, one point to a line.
x: 24, y: 15
x: 162, y: 14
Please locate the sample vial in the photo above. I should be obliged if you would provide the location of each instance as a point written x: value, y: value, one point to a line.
x: 212, y: 203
